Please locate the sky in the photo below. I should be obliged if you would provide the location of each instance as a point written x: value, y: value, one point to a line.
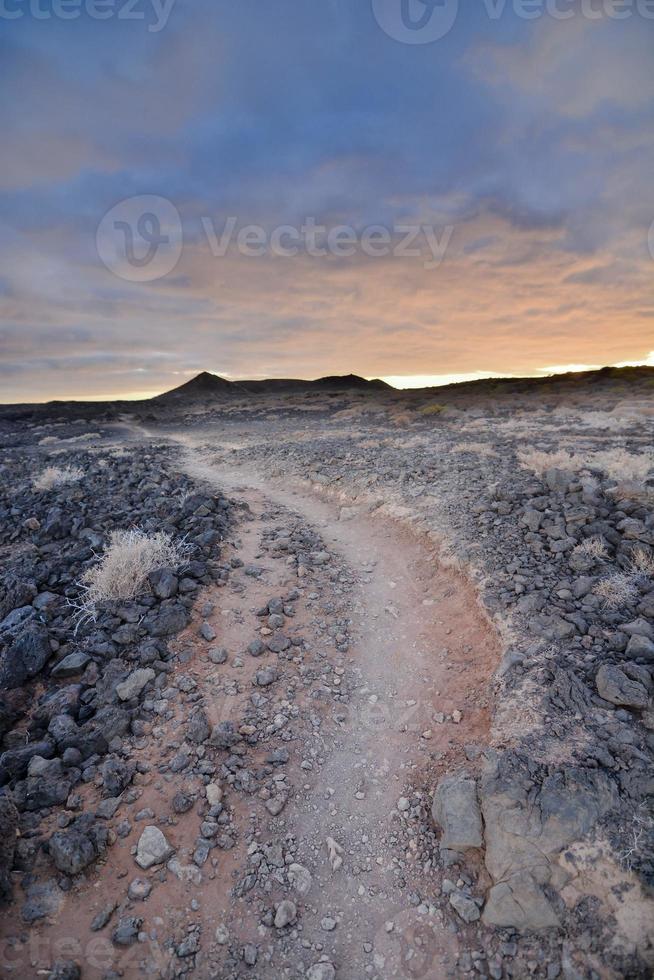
x: 293, y: 188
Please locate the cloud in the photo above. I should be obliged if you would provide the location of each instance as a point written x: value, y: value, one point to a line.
x: 533, y: 142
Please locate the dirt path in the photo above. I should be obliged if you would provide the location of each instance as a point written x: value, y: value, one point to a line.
x: 352, y: 672
x: 417, y: 671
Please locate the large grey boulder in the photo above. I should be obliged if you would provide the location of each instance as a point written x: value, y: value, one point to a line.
x: 132, y: 686
x: 527, y: 826
x: 455, y: 809
x: 152, y: 848
x: 614, y: 686
x: 519, y: 903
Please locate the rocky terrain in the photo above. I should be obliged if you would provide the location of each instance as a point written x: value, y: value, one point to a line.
x: 389, y: 714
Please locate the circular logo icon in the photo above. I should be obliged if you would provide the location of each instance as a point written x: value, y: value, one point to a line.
x: 650, y: 239
x: 141, y: 238
x: 416, y: 21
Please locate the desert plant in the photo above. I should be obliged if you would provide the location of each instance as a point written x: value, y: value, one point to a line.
x: 122, y: 571
x: 433, y: 409
x: 617, y: 464
x: 641, y: 563
x: 616, y: 590
x: 55, y: 476
x: 592, y: 549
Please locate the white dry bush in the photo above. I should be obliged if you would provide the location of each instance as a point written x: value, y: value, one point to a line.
x: 617, y: 464
x: 616, y: 590
x: 122, y: 571
x: 55, y: 476
x: 479, y: 448
x: 642, y: 563
x: 622, y: 588
x: 593, y: 549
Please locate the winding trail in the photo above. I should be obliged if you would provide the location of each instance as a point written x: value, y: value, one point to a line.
x: 421, y: 651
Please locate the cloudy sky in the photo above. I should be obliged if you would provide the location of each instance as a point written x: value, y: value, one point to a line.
x: 480, y: 182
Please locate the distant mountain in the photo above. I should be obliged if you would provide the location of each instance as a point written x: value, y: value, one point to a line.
x: 208, y: 386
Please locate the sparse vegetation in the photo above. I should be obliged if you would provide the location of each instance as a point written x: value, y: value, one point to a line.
x: 593, y: 549
x: 479, y: 448
x: 434, y: 409
x: 617, y: 464
x: 616, y: 590
x: 55, y: 476
x: 123, y: 569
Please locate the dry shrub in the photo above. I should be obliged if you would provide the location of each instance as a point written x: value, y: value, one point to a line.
x: 594, y: 549
x: 434, y: 409
x: 642, y: 562
x: 55, y: 476
x: 480, y: 448
x: 617, y: 464
x: 123, y: 569
x: 539, y: 461
x: 616, y: 590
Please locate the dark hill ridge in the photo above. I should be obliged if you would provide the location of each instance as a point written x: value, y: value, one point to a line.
x: 206, y: 385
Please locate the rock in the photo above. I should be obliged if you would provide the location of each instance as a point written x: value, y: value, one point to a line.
x: 198, y: 728
x: 285, y: 914
x: 300, y: 879
x: 218, y: 655
x: 464, y: 906
x: 170, y: 620
x: 8, y: 833
x: 74, y: 849
x: 455, y: 809
x: 275, y: 805
x: 613, y: 685
x: 127, y: 930
x: 73, y: 664
x: 223, y: 735
x: 526, y: 828
x: 132, y: 686
x: 152, y: 848
x: 214, y: 793
x: 182, y: 802
x: 207, y: 632
x: 256, y: 648
x: 102, y: 917
x: 250, y: 954
x: 139, y: 889
x: 519, y: 903
x: 25, y: 657
x: 321, y: 971
x: 640, y: 646
x: 44, y: 900
x: 221, y: 935
x: 65, y: 970
x: 14, y: 762
x: 163, y: 583
x: 265, y: 677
